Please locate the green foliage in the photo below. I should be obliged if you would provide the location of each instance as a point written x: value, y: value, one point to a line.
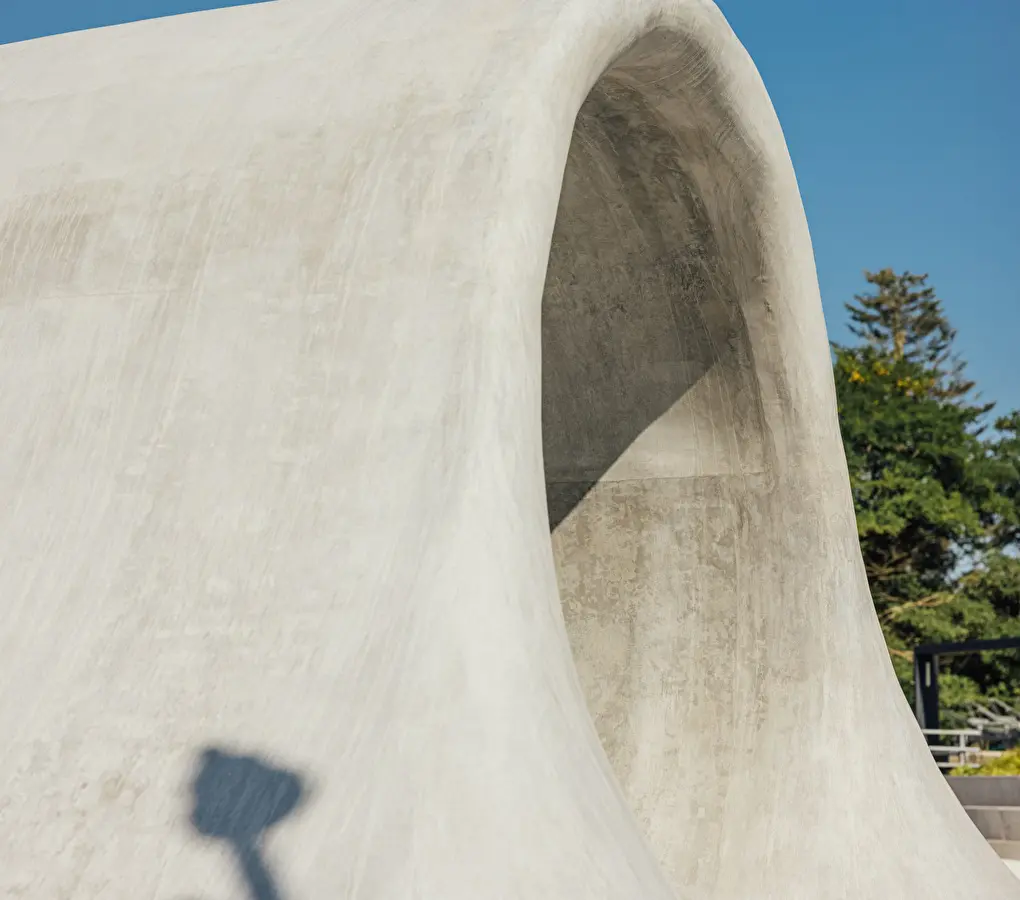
x: 937, y: 501
x: 1002, y: 506
x: 1007, y: 764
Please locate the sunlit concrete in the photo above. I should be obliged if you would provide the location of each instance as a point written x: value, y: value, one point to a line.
x: 315, y: 316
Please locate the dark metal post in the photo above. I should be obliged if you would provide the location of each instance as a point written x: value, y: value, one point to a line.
x: 926, y: 688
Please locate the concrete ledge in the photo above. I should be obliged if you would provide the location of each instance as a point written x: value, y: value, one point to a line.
x: 1009, y: 850
x: 999, y: 823
x: 986, y: 790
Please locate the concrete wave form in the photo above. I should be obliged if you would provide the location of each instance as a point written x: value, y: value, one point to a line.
x: 315, y: 317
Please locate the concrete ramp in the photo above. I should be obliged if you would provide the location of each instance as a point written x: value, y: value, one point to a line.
x: 314, y: 317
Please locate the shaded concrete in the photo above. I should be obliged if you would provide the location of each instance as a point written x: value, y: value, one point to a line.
x: 281, y: 398
x: 706, y: 551
x: 237, y: 800
x: 996, y: 823
x: 986, y: 790
x: 993, y: 804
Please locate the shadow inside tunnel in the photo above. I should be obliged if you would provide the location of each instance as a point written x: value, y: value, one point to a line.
x: 642, y: 294
x: 238, y: 799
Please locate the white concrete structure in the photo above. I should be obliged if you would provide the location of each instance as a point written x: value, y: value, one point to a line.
x: 281, y: 617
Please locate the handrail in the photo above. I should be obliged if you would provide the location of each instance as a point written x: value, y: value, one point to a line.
x: 966, y: 732
x: 964, y: 754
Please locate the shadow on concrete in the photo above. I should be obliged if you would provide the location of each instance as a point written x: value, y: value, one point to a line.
x: 237, y: 799
x: 641, y: 294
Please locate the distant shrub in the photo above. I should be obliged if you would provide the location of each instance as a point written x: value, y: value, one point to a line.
x: 1007, y: 764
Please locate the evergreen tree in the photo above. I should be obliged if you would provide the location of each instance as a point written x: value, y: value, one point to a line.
x: 937, y: 503
x: 903, y: 320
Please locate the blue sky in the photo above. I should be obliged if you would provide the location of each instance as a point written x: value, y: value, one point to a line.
x: 903, y: 121
x: 902, y: 118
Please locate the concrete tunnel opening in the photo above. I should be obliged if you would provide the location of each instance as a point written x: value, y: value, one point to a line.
x: 651, y: 410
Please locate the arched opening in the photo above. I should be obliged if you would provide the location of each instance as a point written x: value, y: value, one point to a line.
x: 653, y: 426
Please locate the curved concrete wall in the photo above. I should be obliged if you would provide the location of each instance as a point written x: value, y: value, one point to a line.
x: 281, y: 607
x: 701, y: 515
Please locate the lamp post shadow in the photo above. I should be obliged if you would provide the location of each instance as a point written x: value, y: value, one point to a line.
x: 237, y: 799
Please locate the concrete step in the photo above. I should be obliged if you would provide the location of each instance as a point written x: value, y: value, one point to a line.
x: 986, y: 790
x: 1008, y: 850
x: 996, y: 823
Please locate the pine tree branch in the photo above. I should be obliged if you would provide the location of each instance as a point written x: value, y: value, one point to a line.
x: 939, y: 598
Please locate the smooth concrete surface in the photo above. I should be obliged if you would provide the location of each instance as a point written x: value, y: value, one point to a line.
x: 996, y: 823
x: 993, y: 804
x: 302, y: 305
x: 1008, y: 851
x: 986, y: 790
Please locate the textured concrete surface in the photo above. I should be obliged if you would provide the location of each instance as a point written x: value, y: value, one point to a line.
x: 281, y: 392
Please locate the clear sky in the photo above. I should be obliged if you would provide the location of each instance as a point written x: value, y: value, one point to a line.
x: 903, y: 120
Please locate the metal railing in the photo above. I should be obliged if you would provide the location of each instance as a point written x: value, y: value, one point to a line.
x: 951, y: 756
